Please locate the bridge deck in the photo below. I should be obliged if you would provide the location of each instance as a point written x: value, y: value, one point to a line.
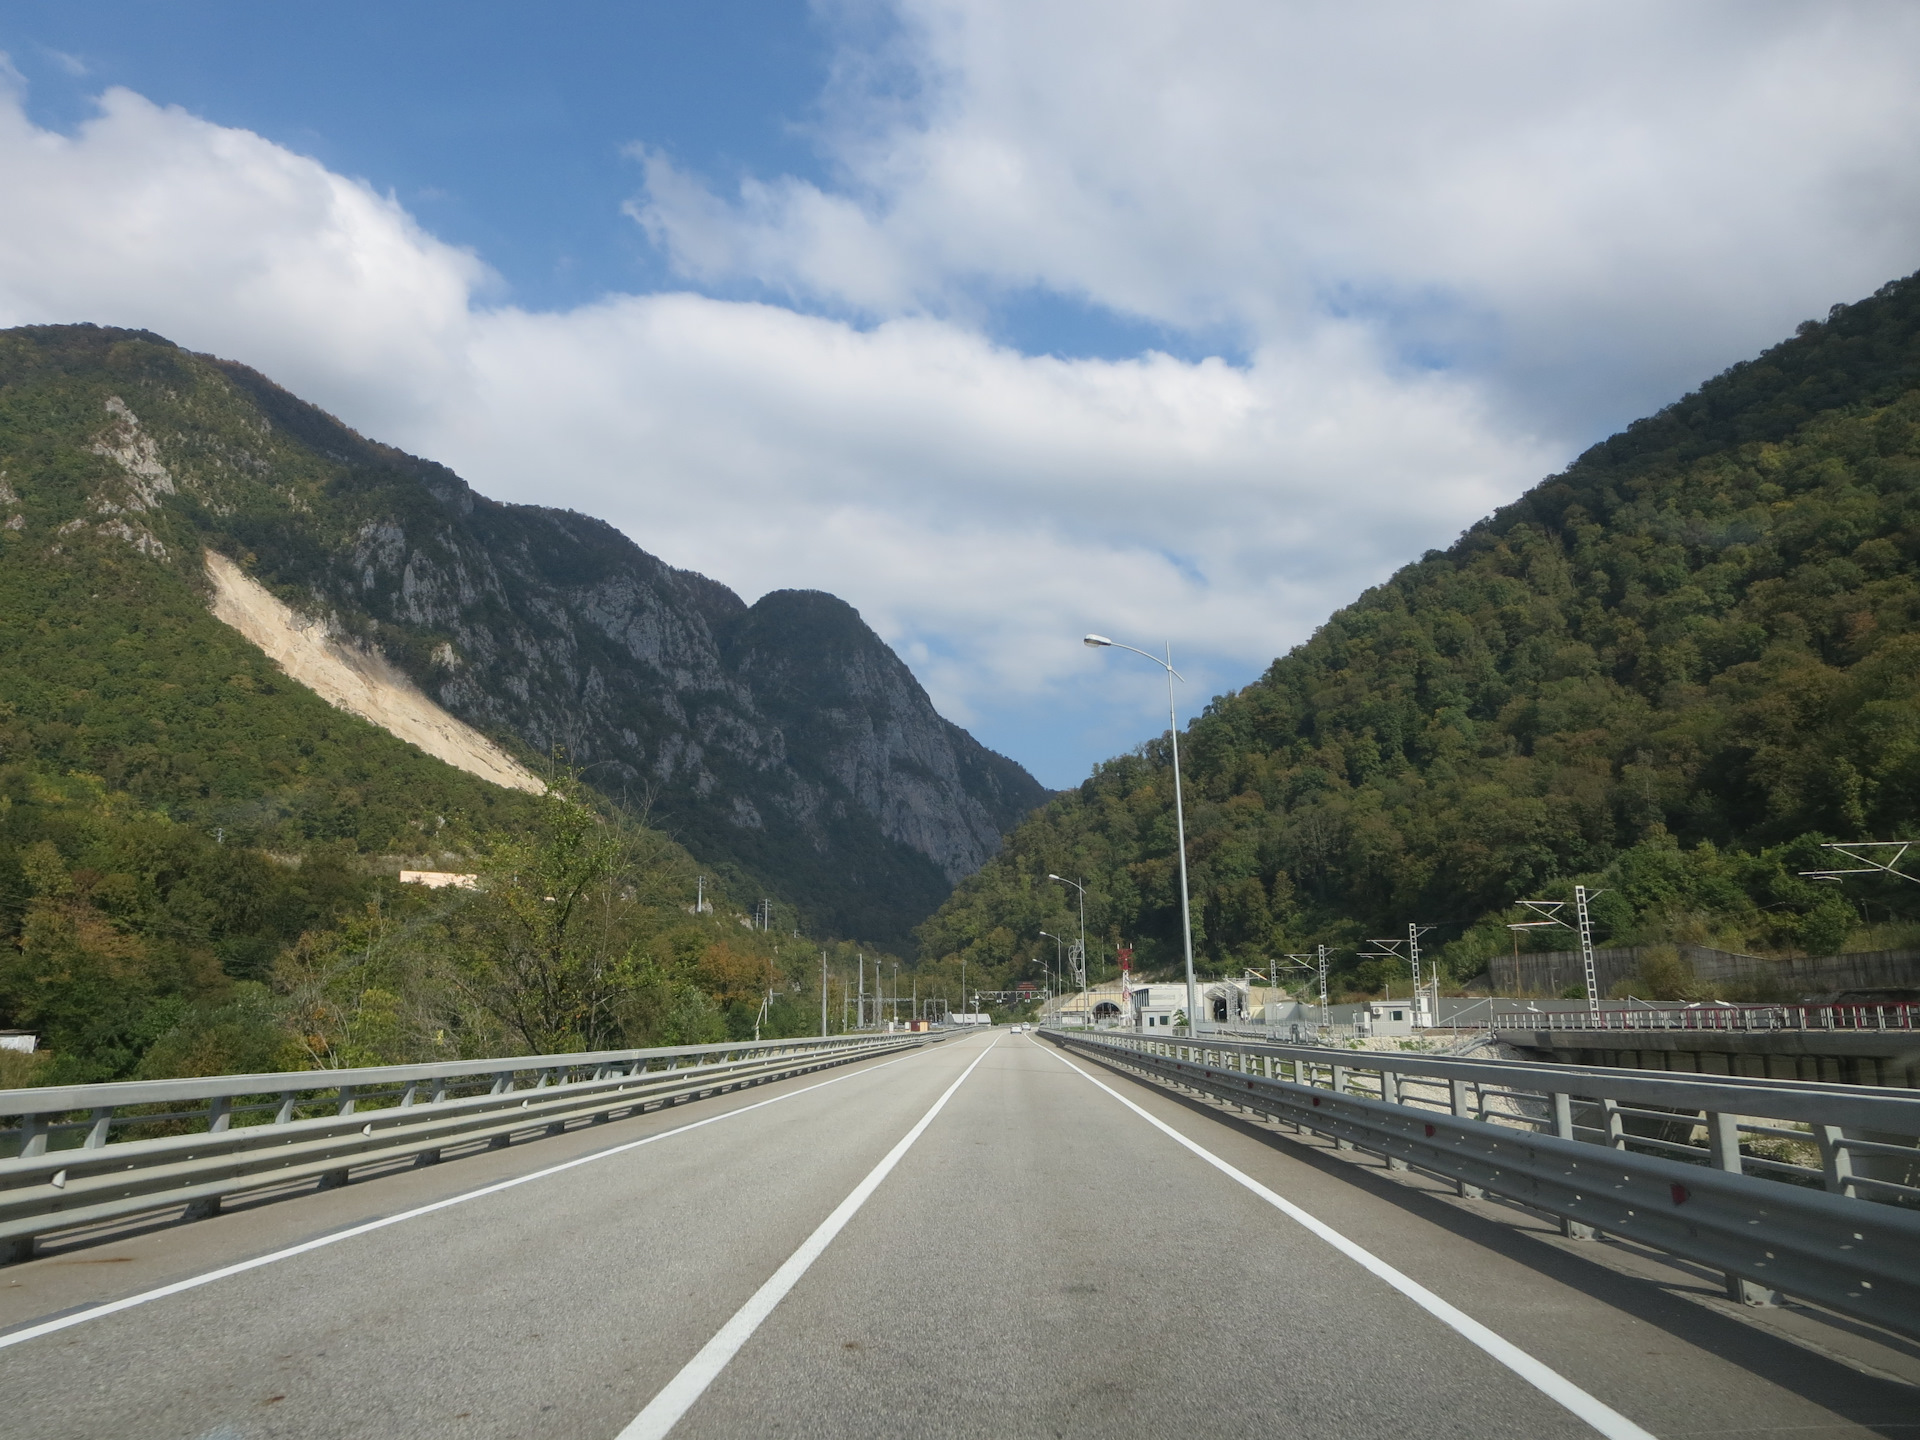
x: 1042, y: 1261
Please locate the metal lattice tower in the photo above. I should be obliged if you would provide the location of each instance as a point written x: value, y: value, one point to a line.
x: 1414, y: 932
x: 1585, y: 927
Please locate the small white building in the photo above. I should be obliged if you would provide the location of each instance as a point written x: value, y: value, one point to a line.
x: 1390, y: 1017
x: 1152, y: 1007
x: 24, y: 1041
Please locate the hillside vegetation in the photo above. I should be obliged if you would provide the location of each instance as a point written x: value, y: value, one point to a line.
x: 1670, y: 671
x: 199, y: 858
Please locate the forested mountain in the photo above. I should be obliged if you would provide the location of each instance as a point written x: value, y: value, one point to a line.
x: 1671, y: 670
x: 783, y: 743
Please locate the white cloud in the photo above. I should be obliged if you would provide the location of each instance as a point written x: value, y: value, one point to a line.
x: 219, y: 239
x: 988, y: 503
x: 1584, y: 207
x: 1606, y: 200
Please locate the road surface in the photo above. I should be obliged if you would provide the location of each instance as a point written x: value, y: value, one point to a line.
x: 983, y: 1238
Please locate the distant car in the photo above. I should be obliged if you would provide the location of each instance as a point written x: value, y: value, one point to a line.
x: 1018, y: 1028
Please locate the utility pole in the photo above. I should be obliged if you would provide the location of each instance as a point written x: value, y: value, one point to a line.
x: 1414, y: 932
x: 1098, y: 642
x: 1582, y: 926
x: 860, y: 1018
x: 1078, y: 953
x: 1586, y: 948
x: 823, y: 994
x: 1323, y: 986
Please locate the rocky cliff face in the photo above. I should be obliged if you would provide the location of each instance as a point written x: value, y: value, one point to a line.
x: 782, y: 741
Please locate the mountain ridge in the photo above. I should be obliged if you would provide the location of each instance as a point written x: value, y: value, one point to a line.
x: 546, y: 625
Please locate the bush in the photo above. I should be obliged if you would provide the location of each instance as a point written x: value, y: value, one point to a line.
x: 245, y: 1036
x: 19, y: 1069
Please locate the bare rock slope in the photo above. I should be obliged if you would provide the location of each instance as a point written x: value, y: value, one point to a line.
x: 361, y: 682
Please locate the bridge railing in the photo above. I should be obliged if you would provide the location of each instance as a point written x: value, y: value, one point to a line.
x: 1690, y: 1165
x: 77, y: 1155
x: 1862, y: 1016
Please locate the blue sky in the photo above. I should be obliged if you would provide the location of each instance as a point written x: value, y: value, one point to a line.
x: 499, y: 134
x: 1186, y: 324
x: 509, y: 135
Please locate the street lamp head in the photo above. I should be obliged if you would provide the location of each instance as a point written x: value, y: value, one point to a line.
x: 1096, y: 642
x: 1056, y: 877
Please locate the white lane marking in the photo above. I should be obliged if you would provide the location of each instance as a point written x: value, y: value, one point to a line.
x: 1548, y: 1382
x: 663, y: 1412
x: 114, y: 1307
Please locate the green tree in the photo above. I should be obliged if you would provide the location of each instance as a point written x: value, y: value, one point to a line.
x: 548, y: 943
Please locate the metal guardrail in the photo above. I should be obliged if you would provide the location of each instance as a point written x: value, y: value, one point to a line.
x: 87, y: 1154
x: 1738, y: 1019
x: 1667, y: 1160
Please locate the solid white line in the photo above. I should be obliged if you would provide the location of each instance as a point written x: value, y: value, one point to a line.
x: 663, y: 1412
x: 114, y: 1307
x: 1548, y: 1382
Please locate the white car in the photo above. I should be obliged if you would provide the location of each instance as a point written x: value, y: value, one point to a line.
x: 1018, y: 1028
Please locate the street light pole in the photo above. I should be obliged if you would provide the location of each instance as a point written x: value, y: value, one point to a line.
x: 1100, y: 642
x: 1059, y: 968
x: 1086, y: 1001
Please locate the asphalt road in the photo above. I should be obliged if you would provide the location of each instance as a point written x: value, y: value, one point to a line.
x: 881, y: 1251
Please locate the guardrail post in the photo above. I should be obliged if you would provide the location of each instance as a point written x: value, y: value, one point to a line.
x: 1616, y: 1123
x: 1563, y: 1127
x: 502, y: 1085
x: 1723, y: 1141
x: 102, y: 1128
x: 219, y: 1117
x: 286, y: 1108
x: 346, y: 1100
x: 1836, y: 1160
x: 1390, y: 1092
x: 1464, y: 1110
x: 1339, y: 1088
x: 33, y: 1135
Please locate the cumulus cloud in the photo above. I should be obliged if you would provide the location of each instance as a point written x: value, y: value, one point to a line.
x: 218, y: 238
x: 988, y: 504
x: 1586, y: 204
x: 1447, y: 243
